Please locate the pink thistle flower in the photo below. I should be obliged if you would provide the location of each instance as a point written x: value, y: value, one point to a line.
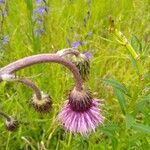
x: 84, y: 119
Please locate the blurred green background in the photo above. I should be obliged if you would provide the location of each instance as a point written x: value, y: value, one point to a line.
x: 113, y: 76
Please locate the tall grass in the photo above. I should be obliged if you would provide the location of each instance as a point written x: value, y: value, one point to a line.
x: 113, y: 74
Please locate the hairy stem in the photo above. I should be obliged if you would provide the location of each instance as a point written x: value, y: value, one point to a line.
x: 30, y: 84
x: 67, y: 51
x: 42, y: 58
x: 5, y: 115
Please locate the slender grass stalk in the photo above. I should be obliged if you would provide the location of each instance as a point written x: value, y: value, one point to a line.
x: 125, y: 42
x: 121, y: 39
x: 133, y: 53
x: 69, y: 140
x: 5, y: 115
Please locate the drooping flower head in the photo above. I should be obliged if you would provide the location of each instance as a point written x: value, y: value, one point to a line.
x: 81, y: 60
x: 42, y: 105
x: 81, y: 113
x: 11, y: 124
x: 83, y: 64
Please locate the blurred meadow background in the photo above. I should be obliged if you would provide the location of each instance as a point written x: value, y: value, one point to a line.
x: 29, y: 27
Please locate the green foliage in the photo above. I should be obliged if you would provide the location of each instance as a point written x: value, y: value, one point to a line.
x: 136, y: 44
x: 120, y: 92
x: 113, y: 76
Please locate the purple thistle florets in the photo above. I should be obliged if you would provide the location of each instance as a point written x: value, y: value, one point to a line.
x: 39, y: 1
x: 88, y: 55
x: 38, y: 32
x: 4, y: 13
x: 39, y: 13
x: 76, y: 44
x: 2, y: 1
x: 40, y: 10
x: 5, y: 39
x: 81, y: 115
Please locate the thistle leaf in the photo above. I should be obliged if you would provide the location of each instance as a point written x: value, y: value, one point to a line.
x: 136, y: 44
x: 142, y: 128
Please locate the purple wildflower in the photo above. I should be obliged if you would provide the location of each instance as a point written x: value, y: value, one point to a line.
x: 39, y: 1
x: 76, y: 44
x: 38, y: 32
x: 2, y: 1
x: 88, y: 55
x: 38, y: 17
x: 39, y: 21
x: 41, y: 10
x: 5, y: 39
x: 81, y: 114
x: 89, y: 2
x: 4, y: 13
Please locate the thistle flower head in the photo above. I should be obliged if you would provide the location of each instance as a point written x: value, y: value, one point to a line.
x: 80, y: 101
x: 11, y: 124
x: 42, y: 105
x: 81, y: 113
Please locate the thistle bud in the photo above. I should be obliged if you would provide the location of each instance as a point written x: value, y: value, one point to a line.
x: 83, y: 64
x: 81, y: 60
x: 11, y: 124
x: 42, y: 105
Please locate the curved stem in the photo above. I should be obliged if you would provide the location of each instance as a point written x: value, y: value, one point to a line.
x: 5, y: 115
x: 41, y: 58
x: 30, y: 84
x: 67, y: 51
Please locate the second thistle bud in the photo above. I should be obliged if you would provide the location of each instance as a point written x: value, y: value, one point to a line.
x: 42, y: 105
x: 81, y: 60
x: 11, y: 124
x: 83, y: 64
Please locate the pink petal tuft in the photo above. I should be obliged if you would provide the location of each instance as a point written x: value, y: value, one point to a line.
x: 81, y: 122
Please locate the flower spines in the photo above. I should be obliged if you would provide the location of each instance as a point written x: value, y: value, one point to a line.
x: 42, y: 105
x: 83, y: 64
x: 84, y: 69
x: 81, y: 113
x: 11, y: 124
x: 81, y: 60
x: 80, y: 101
